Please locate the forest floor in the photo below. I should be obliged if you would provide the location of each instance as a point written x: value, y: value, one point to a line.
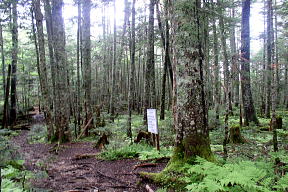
x: 59, y: 168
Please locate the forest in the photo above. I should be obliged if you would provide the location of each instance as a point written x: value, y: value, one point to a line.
x: 144, y: 95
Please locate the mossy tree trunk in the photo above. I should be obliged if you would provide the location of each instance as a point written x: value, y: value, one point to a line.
x: 190, y: 114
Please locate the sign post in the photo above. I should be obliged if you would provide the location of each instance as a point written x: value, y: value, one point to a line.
x: 152, y: 122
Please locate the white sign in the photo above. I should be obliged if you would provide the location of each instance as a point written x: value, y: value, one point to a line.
x: 152, y: 121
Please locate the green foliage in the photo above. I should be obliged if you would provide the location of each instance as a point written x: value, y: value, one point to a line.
x: 243, y: 176
x: 143, y: 151
x: 14, y: 179
x: 37, y: 134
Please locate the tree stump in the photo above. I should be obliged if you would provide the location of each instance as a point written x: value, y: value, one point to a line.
x: 278, y: 125
x: 143, y: 135
x: 235, y: 135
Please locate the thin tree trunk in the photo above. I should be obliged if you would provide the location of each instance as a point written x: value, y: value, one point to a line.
x: 167, y: 61
x: 263, y: 89
x: 226, y: 71
x: 14, y: 31
x: 2, y: 58
x: 216, y: 73
x: 113, y: 72
x: 79, y: 32
x: 42, y: 67
x: 270, y: 56
x: 150, y: 92
x: 131, y: 92
x: 6, y: 100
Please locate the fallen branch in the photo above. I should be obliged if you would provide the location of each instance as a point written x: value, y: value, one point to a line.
x: 84, y: 156
x: 145, y: 165
x: 117, y: 180
x: 148, y: 188
x: 84, y: 129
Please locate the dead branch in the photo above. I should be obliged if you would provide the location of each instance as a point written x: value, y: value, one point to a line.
x: 148, y: 188
x: 145, y: 165
x: 84, y: 129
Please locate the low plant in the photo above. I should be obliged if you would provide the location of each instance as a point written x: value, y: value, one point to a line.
x: 243, y: 176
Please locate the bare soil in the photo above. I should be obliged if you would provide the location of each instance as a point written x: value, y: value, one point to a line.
x: 61, y: 171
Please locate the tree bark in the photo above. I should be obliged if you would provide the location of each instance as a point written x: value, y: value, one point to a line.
x: 6, y: 100
x: 113, y: 66
x: 216, y: 73
x: 192, y: 133
x: 14, y: 31
x: 87, y: 61
x: 2, y: 58
x: 150, y: 92
x: 62, y: 94
x: 131, y: 93
x: 247, y: 99
x: 42, y: 67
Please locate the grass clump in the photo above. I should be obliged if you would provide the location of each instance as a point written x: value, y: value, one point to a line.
x: 143, y: 151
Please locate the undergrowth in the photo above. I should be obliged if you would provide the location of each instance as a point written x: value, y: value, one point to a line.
x: 142, y: 151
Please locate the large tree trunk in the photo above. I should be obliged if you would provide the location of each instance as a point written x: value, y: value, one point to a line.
x: 248, y: 105
x: 42, y: 67
x: 87, y: 61
x: 150, y: 92
x: 61, y: 104
x: 14, y: 31
x: 192, y: 133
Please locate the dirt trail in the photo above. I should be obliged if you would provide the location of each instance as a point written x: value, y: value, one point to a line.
x: 65, y: 173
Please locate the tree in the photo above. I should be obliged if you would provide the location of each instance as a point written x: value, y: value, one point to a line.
x: 14, y: 31
x: 150, y: 92
x: 131, y: 93
x: 113, y: 66
x: 190, y: 117
x: 62, y: 94
x: 248, y: 105
x: 87, y: 60
x: 43, y: 76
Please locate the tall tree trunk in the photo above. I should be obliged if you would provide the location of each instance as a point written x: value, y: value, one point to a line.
x: 14, y: 31
x: 113, y: 72
x: 263, y: 87
x: 42, y: 67
x: 132, y: 73
x: 226, y: 71
x: 150, y: 92
x: 52, y: 61
x: 167, y: 62
x: 248, y: 105
x: 270, y: 56
x: 2, y: 58
x: 235, y: 65
x: 79, y: 32
x: 61, y: 104
x: 87, y: 60
x: 192, y: 133
x: 216, y: 73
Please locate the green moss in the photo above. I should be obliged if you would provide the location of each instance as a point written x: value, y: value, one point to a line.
x: 235, y: 135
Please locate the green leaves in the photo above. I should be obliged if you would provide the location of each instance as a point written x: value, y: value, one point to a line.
x: 249, y: 176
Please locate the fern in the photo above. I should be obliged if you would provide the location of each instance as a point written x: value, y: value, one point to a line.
x: 242, y: 176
